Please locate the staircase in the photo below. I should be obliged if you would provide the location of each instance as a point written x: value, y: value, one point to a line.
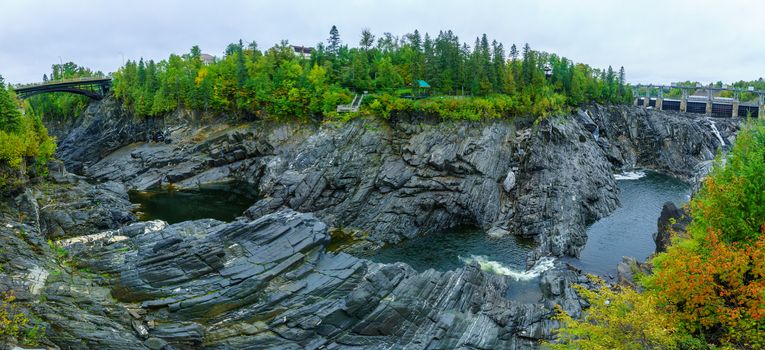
x: 354, y: 106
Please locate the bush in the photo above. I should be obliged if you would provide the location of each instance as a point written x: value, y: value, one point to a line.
x: 616, y: 319
x: 708, y: 289
x: 12, y: 320
x: 22, y: 138
x: 713, y: 281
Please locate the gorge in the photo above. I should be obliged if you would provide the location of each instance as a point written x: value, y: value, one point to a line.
x: 317, y: 258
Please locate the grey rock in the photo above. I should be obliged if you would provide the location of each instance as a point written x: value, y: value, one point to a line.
x: 408, y: 176
x: 155, y: 343
x: 671, y: 222
x: 509, y: 182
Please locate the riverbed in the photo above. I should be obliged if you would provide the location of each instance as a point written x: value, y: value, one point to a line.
x: 222, y: 201
x: 628, y: 231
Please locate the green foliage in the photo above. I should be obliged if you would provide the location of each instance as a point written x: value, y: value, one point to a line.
x: 12, y: 320
x: 713, y: 281
x: 10, y: 116
x: 60, y: 105
x: 616, y: 319
x: 22, y: 138
x: 279, y: 84
x: 61, y: 252
x: 708, y: 289
x: 732, y: 199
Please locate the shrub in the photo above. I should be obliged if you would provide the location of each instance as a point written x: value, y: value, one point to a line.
x: 12, y: 320
x: 616, y: 319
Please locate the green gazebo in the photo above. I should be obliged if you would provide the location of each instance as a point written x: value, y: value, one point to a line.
x: 422, y: 88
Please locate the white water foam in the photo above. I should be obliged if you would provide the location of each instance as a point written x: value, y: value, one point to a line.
x: 630, y: 175
x: 498, y: 268
x: 716, y: 132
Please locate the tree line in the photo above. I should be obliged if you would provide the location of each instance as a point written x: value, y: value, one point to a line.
x: 474, y: 81
x: 60, y: 105
x: 25, y: 146
x: 246, y: 81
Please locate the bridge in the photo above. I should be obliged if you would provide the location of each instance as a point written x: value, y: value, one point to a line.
x: 93, y: 87
x: 701, y: 100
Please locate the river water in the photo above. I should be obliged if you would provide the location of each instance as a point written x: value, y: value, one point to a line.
x: 629, y: 230
x: 626, y: 232
x: 223, y: 201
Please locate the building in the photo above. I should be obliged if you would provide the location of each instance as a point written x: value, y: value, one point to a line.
x: 207, y: 58
x: 302, y: 51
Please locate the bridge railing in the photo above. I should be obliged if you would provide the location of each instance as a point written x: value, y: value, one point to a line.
x: 62, y: 81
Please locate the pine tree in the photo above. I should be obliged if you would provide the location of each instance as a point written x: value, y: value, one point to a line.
x: 622, y: 82
x: 367, y: 39
x: 514, y: 53
x: 333, y: 41
x: 498, y: 62
x: 10, y: 117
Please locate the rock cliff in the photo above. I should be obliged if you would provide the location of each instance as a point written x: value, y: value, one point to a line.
x: 268, y: 280
x: 396, y: 179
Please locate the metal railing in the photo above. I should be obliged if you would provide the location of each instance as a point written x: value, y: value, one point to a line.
x: 63, y: 81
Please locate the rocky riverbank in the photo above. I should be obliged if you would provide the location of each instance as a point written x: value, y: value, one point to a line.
x: 396, y: 179
x: 268, y: 279
x: 252, y: 283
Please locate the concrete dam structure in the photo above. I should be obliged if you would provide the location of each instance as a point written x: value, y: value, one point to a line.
x: 702, y: 100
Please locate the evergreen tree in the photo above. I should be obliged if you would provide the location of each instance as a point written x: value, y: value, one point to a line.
x: 367, y: 39
x: 513, y: 53
x: 416, y: 40
x: 498, y: 62
x: 10, y: 117
x: 333, y: 41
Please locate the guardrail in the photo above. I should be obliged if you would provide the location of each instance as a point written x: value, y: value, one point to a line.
x: 62, y: 81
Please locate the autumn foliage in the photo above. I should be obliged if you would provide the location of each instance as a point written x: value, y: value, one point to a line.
x: 713, y: 282
x: 708, y: 290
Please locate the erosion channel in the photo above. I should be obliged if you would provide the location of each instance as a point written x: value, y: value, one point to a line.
x: 373, y: 233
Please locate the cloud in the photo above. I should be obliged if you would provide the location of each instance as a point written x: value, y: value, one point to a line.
x: 656, y: 41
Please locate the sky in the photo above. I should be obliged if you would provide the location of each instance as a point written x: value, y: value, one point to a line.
x: 656, y: 41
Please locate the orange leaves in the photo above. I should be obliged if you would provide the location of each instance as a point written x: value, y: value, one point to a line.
x: 719, y: 285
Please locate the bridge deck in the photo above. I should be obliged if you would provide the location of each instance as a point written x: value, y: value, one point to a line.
x: 93, y: 87
x: 63, y: 83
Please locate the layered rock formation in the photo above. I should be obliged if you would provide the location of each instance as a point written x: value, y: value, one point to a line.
x: 257, y: 284
x: 267, y: 279
x: 395, y: 179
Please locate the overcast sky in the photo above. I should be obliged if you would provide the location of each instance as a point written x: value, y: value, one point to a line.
x: 656, y: 41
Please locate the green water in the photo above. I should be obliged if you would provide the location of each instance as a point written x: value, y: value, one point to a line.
x: 626, y: 232
x: 448, y: 250
x: 222, y: 201
x: 454, y: 248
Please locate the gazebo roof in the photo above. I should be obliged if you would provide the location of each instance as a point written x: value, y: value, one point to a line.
x: 423, y: 84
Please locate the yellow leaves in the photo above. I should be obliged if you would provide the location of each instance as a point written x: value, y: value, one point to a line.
x: 201, y: 75
x: 710, y: 285
x: 12, y: 321
x: 616, y: 319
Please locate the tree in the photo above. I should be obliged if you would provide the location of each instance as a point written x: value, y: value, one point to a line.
x: 367, y: 39
x: 415, y: 40
x: 10, y: 117
x: 334, y: 40
x: 623, y: 319
x: 195, y: 52
x: 387, y: 77
x: 622, y: 82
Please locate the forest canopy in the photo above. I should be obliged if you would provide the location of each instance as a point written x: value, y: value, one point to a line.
x: 482, y: 80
